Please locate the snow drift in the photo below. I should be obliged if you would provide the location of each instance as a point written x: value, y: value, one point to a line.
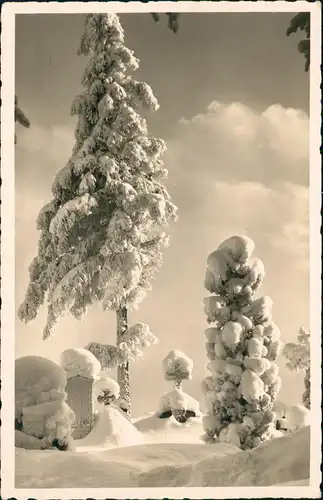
x: 279, y: 461
x: 169, y: 430
x: 112, y: 429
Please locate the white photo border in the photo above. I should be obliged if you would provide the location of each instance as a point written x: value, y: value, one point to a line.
x: 8, y: 313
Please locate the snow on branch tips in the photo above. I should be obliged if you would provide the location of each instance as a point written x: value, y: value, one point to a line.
x: 134, y: 341
x: 104, y: 353
x: 299, y: 359
x: 242, y: 346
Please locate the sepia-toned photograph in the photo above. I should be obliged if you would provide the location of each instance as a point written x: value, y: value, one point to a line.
x: 160, y: 222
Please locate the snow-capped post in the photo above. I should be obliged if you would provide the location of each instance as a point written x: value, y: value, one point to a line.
x: 178, y: 367
x: 81, y: 368
x: 242, y: 346
x: 101, y: 237
x: 299, y: 359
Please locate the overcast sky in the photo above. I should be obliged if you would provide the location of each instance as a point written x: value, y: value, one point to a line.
x: 234, y: 101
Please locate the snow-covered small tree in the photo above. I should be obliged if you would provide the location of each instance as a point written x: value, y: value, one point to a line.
x: 299, y: 359
x: 178, y: 367
x: 242, y: 345
x: 101, y: 235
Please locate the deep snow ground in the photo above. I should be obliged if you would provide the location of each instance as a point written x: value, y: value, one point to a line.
x: 171, y: 455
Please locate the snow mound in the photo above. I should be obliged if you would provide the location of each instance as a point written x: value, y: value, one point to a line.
x: 22, y: 440
x: 81, y: 362
x: 178, y: 400
x: 297, y: 417
x: 37, y: 380
x: 112, y: 429
x: 118, y: 467
x: 280, y: 461
x: 169, y: 430
x: 177, y: 366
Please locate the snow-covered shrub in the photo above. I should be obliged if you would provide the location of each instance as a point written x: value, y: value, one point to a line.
x: 41, y: 410
x: 299, y: 359
x: 178, y: 367
x: 241, y: 346
x: 102, y: 234
x: 78, y: 361
x: 179, y: 404
x: 51, y: 421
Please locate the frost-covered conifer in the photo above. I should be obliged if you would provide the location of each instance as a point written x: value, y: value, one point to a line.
x: 299, y: 359
x: 101, y: 237
x: 242, y: 345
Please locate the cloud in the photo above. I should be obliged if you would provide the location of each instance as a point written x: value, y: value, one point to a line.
x: 231, y: 170
x: 233, y: 142
x: 239, y: 170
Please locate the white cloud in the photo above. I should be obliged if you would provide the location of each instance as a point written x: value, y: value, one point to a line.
x: 238, y: 170
x: 234, y: 142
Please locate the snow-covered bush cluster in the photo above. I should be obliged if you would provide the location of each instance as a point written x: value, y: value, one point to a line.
x: 242, y: 347
x: 41, y: 410
x: 299, y: 359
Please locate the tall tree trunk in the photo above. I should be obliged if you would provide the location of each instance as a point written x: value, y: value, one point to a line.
x: 123, y: 370
x: 307, y: 394
x: 178, y: 384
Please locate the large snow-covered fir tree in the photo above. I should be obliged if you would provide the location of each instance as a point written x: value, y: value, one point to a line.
x: 101, y: 235
x: 299, y: 359
x: 242, y: 345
